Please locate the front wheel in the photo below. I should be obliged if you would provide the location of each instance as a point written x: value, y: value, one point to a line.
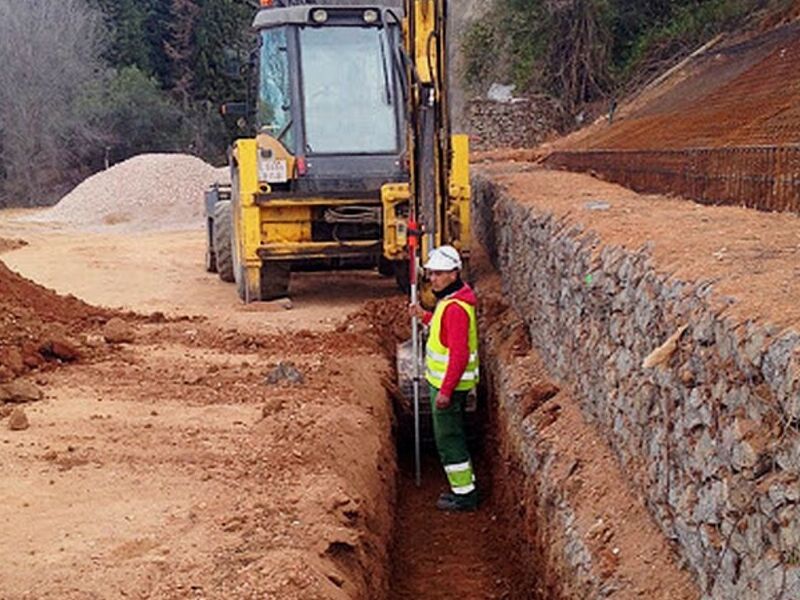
x: 221, y: 232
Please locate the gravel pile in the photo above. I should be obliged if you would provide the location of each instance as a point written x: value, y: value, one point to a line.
x: 149, y: 191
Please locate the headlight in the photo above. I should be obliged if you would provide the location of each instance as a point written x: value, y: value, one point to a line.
x: 370, y: 16
x: 319, y: 15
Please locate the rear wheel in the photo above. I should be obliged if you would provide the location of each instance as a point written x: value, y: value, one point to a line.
x: 222, y: 229
x: 211, y: 258
x: 211, y: 261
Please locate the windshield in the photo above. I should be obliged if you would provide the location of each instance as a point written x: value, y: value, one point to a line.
x: 274, y: 109
x: 347, y: 88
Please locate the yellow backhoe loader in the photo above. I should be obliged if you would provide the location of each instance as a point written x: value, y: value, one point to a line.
x: 353, y: 152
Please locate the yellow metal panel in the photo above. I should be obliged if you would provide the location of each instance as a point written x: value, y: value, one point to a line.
x: 395, y: 228
x: 274, y: 150
x: 283, y: 224
x: 425, y: 24
x: 252, y: 239
x: 246, y: 220
x: 245, y: 154
x: 460, y: 162
x: 460, y: 192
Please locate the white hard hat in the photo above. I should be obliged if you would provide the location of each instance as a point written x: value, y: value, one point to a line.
x: 443, y: 258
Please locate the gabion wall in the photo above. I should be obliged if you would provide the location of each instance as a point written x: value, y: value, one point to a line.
x: 709, y: 438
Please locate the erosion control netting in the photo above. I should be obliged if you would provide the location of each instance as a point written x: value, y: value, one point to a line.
x: 38, y: 327
x: 723, y: 129
x: 149, y: 191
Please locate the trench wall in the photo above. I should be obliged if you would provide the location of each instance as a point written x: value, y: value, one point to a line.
x: 580, y: 531
x: 710, y: 439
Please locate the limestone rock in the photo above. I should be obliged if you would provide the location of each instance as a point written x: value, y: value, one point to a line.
x: 117, y: 331
x: 285, y: 372
x: 661, y: 355
x: 18, y: 420
x: 19, y: 392
x: 62, y: 349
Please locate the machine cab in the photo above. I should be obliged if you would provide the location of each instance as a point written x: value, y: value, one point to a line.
x: 329, y: 92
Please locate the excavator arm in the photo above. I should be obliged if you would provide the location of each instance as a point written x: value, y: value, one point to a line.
x: 439, y: 169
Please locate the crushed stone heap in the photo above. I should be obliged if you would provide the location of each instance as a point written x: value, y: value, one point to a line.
x: 149, y: 191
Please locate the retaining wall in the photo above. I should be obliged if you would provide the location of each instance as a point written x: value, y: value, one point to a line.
x: 709, y: 439
x: 580, y: 530
x: 523, y: 123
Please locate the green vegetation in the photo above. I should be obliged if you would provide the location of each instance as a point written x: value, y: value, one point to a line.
x: 584, y: 51
x: 112, y: 78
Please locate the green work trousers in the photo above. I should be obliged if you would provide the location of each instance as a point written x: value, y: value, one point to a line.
x: 451, y: 442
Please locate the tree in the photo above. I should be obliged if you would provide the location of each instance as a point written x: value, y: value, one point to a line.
x: 135, y: 116
x: 49, y: 54
x: 139, y: 30
x: 580, y: 50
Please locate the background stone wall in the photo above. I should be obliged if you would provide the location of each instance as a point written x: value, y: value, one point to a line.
x: 709, y: 438
x: 523, y: 123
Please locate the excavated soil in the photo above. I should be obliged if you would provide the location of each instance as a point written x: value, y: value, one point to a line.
x: 751, y: 258
x: 39, y: 328
x: 173, y: 467
x: 237, y: 452
x: 196, y: 460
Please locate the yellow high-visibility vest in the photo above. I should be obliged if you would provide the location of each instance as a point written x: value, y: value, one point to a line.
x: 437, y: 355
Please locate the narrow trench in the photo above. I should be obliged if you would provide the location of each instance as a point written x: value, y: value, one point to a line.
x: 438, y: 555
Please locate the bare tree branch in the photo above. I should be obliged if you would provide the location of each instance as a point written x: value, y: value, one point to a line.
x: 49, y: 53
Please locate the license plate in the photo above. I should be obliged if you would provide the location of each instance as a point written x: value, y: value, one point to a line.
x: 272, y: 171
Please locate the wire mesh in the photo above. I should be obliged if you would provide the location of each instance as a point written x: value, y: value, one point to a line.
x: 762, y: 177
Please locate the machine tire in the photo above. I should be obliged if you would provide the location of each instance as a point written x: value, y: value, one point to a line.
x: 223, y: 252
x: 211, y: 257
x: 211, y: 261
x: 275, y: 276
x: 401, y: 275
x: 385, y: 266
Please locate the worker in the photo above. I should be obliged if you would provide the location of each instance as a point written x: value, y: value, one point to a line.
x: 451, y: 369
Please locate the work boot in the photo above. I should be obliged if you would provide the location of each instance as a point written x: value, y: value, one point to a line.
x: 451, y: 502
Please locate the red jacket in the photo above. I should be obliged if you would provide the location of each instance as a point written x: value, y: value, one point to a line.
x: 454, y: 335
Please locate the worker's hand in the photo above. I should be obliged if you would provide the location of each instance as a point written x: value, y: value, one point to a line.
x: 415, y: 310
x: 442, y: 401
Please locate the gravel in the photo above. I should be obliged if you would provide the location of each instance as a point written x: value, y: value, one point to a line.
x: 148, y: 191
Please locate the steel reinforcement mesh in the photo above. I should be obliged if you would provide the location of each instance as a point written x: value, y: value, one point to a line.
x: 761, y: 177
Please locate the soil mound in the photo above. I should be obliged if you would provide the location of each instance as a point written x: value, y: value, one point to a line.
x: 149, y: 191
x: 38, y: 327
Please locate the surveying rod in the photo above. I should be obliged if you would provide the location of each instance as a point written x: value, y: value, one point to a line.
x: 413, y: 234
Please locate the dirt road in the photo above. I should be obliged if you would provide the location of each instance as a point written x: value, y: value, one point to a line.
x: 162, y: 271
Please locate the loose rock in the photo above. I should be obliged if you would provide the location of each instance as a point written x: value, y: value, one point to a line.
x: 285, y: 371
x: 62, y: 349
x: 18, y: 420
x: 117, y: 331
x: 19, y: 392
